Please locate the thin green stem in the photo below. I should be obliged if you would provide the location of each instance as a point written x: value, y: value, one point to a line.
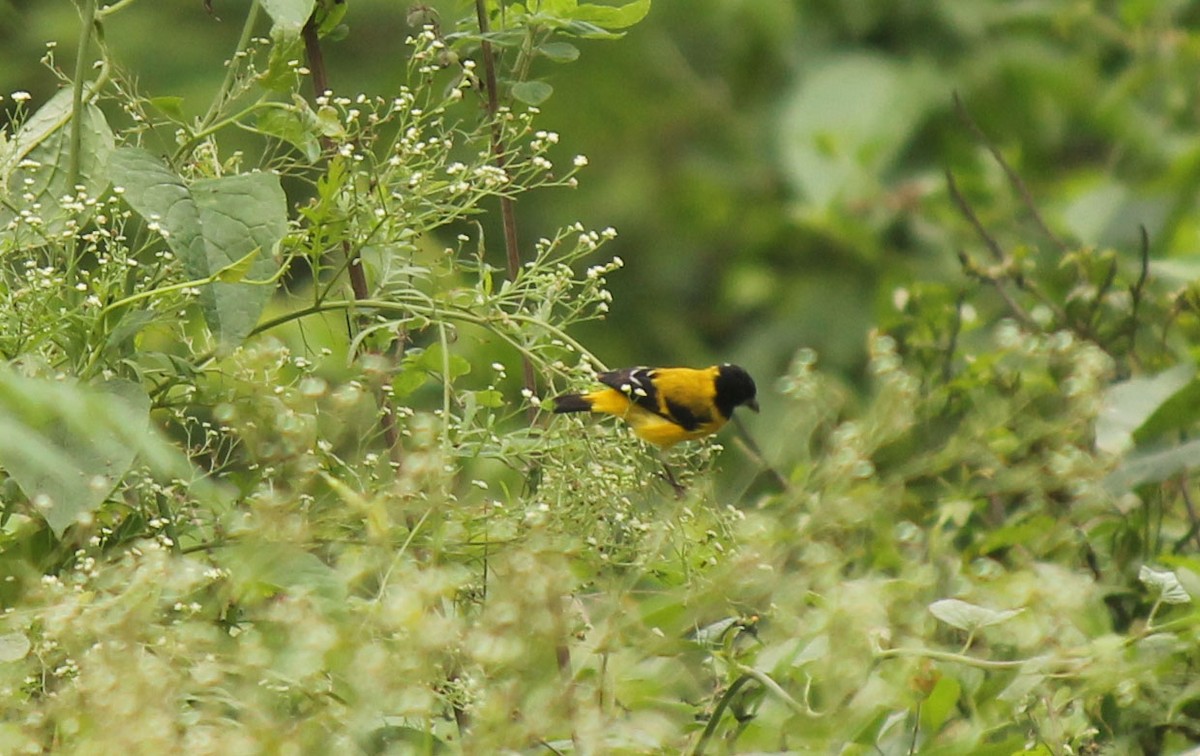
x: 508, y: 215
x: 87, y: 21
x: 929, y: 653
x: 243, y: 42
x: 116, y: 7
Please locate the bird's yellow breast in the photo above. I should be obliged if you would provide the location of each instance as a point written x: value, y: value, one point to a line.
x: 648, y: 426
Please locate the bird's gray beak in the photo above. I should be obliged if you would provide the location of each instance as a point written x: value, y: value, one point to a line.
x: 753, y: 404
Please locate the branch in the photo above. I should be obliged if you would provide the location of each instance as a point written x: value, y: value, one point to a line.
x: 1013, y: 178
x: 508, y: 214
x: 358, y: 276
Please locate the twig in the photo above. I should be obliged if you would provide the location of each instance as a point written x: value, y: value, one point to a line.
x: 1018, y: 312
x: 508, y: 214
x: 752, y: 450
x: 1013, y: 178
x: 1109, y: 278
x: 714, y: 719
x: 929, y: 653
x: 1135, y: 291
x: 952, y: 342
x: 1194, y: 530
x: 1005, y: 262
x: 969, y: 212
x: 358, y: 276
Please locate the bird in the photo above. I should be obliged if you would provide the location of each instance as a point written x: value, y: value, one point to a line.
x: 668, y: 405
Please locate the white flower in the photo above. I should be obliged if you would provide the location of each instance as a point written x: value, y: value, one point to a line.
x: 580, y: 161
x: 21, y: 96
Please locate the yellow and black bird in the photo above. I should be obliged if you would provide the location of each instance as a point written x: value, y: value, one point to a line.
x: 665, y: 406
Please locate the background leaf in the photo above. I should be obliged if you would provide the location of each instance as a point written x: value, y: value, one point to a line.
x: 212, y: 225
x: 68, y: 445
x: 38, y: 166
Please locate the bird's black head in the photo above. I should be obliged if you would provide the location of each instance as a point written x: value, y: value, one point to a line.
x: 735, y: 388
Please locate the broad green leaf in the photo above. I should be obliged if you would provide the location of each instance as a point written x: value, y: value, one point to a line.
x: 288, y: 16
x: 778, y: 658
x: 405, y: 740
x: 940, y: 704
x: 1109, y: 213
x: 1017, y: 533
x: 609, y: 17
x: 532, y: 92
x: 212, y: 225
x: 849, y: 120
x: 432, y: 360
x: 967, y: 616
x: 1152, y: 466
x: 121, y: 338
x: 559, y: 52
x: 1177, y: 269
x: 1130, y: 404
x: 236, y: 271
x: 262, y: 570
x: 37, y: 163
x: 67, y: 446
x: 1165, y: 583
x: 329, y: 18
x: 408, y: 381
x: 281, y: 74
x: 1179, y: 412
x: 588, y: 30
x: 489, y: 398
x: 286, y: 125
x: 171, y: 107
x: 711, y: 634
x: 14, y: 647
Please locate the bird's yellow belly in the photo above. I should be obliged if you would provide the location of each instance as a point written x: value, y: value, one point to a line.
x: 648, y: 426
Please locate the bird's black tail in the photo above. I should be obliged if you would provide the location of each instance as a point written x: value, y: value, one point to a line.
x: 572, y: 403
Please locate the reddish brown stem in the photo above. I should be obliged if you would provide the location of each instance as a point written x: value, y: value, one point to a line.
x: 508, y: 215
x: 358, y: 277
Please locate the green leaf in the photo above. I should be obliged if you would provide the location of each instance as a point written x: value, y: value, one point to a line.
x: 1165, y: 583
x: 67, y: 445
x: 1017, y: 533
x: 489, y: 398
x: 940, y: 704
x: 408, y: 381
x: 1131, y: 404
x: 289, y: 126
x: 966, y: 616
x: 36, y: 163
x: 171, y: 107
x: 849, y: 121
x: 288, y: 16
x: 532, y: 92
x: 236, y: 271
x: 14, y: 647
x: 609, y: 17
x: 120, y: 339
x: 559, y: 52
x: 281, y: 74
x: 1152, y: 467
x: 432, y: 360
x: 262, y: 570
x: 212, y: 225
x: 1177, y: 269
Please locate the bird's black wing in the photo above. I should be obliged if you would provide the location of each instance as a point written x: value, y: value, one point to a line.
x: 637, y: 383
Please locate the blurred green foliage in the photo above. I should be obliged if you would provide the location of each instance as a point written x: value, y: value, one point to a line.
x: 974, y: 330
